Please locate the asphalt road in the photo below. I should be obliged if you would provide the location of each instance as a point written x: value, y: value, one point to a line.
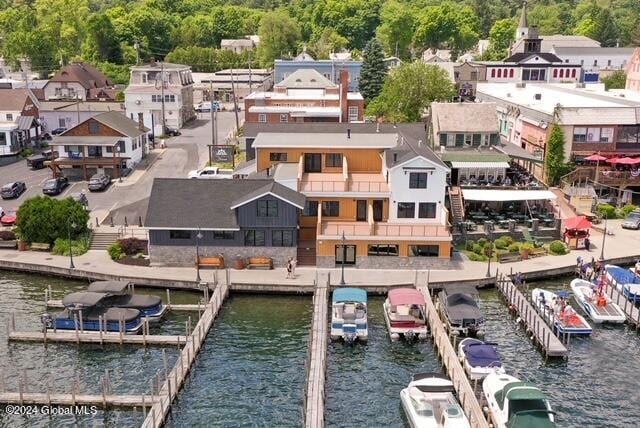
x: 182, y: 154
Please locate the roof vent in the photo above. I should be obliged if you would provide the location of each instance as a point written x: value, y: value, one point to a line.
x: 537, y: 97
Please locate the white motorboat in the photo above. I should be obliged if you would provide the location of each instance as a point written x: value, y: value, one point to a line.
x: 349, y: 315
x: 405, y: 314
x: 429, y: 402
x: 596, y: 304
x: 624, y: 280
x: 479, y: 358
x: 516, y: 404
x: 560, y: 315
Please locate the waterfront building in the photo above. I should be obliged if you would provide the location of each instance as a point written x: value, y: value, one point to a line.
x: 305, y: 96
x: 106, y: 143
x: 80, y: 81
x: 19, y: 122
x: 144, y: 100
x: 329, y: 69
x: 235, y: 219
x: 67, y: 114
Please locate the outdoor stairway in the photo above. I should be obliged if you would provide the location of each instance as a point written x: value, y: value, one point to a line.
x: 306, y: 253
x: 457, y: 208
x: 102, y: 240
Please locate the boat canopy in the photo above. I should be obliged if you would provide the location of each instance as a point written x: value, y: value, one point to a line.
x: 109, y: 286
x: 82, y: 299
x: 460, y: 306
x: 622, y: 275
x: 480, y: 354
x: 405, y: 296
x: 519, y: 391
x: 349, y: 295
x: 531, y: 419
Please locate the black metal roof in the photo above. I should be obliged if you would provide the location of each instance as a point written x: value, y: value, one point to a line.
x: 523, y: 56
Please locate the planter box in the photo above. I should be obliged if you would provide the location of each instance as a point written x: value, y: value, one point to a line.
x: 9, y: 244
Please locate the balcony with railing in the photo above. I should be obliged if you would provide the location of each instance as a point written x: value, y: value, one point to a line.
x: 354, y: 229
x: 338, y: 182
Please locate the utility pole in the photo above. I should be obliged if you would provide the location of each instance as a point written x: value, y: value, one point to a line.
x: 250, y: 79
x: 235, y: 102
x: 162, y: 96
x: 213, y: 119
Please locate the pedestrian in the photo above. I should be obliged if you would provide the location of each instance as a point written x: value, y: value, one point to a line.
x: 518, y: 279
x: 587, y: 244
x: 289, y: 267
x: 638, y: 267
x: 579, y: 261
x: 294, y: 263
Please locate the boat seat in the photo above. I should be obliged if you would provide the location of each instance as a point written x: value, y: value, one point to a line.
x: 402, y: 310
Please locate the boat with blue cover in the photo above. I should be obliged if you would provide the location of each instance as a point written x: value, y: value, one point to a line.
x: 625, y: 281
x: 83, y: 311
x: 349, y: 315
x: 119, y: 294
x: 479, y: 358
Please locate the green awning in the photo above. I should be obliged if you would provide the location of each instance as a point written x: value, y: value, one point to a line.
x: 473, y: 156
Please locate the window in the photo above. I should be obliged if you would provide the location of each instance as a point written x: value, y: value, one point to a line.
x: 474, y: 75
x: 277, y: 157
x: 593, y: 135
x: 628, y: 134
x: 511, y: 72
x: 254, y: 238
x: 282, y: 238
x: 535, y: 74
x: 606, y: 135
x: 179, y: 234
x: 9, y: 117
x: 353, y: 113
x: 143, y: 77
x: 310, y: 209
x: 499, y: 72
x: 284, y: 118
x: 333, y: 160
x: 468, y: 140
x: 3, y: 139
x: 555, y: 73
x: 169, y: 98
x: 156, y: 98
x: 459, y: 140
x: 330, y: 208
x: 573, y: 73
x: 348, y: 252
x: 406, y: 209
x: 494, y: 139
x: 427, y: 210
x: 268, y: 208
x: 417, y: 180
x: 382, y: 250
x: 262, y: 118
x: 476, y: 139
x: 424, y: 250
x: 223, y: 234
x: 94, y: 127
x: 62, y: 123
x: 493, y: 72
x: 580, y: 135
x: 443, y: 139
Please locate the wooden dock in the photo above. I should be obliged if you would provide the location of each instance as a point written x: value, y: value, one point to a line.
x: 542, y: 333
x: 95, y: 337
x: 171, y: 306
x: 103, y: 401
x: 317, y: 360
x: 174, y: 380
x: 453, y: 368
x: 629, y: 308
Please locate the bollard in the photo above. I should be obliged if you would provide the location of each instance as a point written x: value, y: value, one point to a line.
x: 165, y: 363
x: 169, y: 299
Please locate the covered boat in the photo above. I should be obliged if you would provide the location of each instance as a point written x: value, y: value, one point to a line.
x: 459, y: 309
x: 479, y: 358
x: 119, y: 295
x: 625, y: 281
x: 596, y: 303
x: 516, y: 404
x: 560, y: 315
x: 405, y: 314
x: 349, y: 315
x: 429, y: 402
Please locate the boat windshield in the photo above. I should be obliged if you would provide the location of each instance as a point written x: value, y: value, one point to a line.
x: 454, y: 411
x: 422, y: 407
x: 518, y: 406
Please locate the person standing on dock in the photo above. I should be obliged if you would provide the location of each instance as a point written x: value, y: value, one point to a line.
x: 587, y: 244
x: 518, y: 279
x: 289, y: 268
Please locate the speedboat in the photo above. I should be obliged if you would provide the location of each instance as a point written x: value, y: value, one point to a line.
x: 118, y: 295
x: 429, y: 401
x: 405, y: 314
x: 625, y: 281
x: 349, y: 315
x: 459, y: 308
x: 596, y: 303
x: 83, y: 311
x: 479, y: 358
x: 560, y: 314
x: 516, y: 404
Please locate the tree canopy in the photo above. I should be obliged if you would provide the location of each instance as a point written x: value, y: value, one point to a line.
x: 373, y: 70
x: 44, y: 219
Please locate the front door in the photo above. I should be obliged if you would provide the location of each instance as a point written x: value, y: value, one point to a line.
x: 312, y: 162
x: 361, y: 210
x: 377, y: 210
x: 348, y: 252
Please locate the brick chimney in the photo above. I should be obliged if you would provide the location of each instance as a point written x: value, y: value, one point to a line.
x: 344, y: 90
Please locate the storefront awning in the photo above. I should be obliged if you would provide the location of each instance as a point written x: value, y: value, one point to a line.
x: 461, y: 165
x: 506, y: 195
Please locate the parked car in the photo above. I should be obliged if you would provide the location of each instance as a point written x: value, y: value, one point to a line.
x: 172, y: 132
x: 632, y: 221
x: 8, y: 219
x: 58, y: 131
x: 13, y: 190
x: 81, y: 198
x: 55, y: 186
x: 211, y: 172
x: 99, y: 182
x: 37, y: 161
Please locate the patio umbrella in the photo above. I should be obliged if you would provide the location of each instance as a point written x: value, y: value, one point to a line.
x: 579, y: 222
x: 613, y: 160
x: 626, y: 161
x: 595, y: 158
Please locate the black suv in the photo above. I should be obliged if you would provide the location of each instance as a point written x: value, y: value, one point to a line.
x: 55, y: 186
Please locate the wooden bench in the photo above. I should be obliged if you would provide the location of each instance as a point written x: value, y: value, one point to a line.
x: 211, y: 262
x: 259, y: 262
x: 40, y: 246
x: 537, y: 252
x: 509, y: 257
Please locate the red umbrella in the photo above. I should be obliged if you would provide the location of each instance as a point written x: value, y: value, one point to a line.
x: 579, y: 222
x: 626, y: 161
x: 613, y: 160
x: 595, y: 158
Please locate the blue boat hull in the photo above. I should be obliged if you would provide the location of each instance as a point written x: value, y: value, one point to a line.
x: 132, y: 326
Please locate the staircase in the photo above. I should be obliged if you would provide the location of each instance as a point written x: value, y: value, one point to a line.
x: 457, y: 206
x: 306, y: 253
x: 102, y: 240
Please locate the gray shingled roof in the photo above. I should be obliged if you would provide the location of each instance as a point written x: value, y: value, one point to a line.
x: 409, y: 149
x: 183, y: 203
x: 121, y: 123
x: 416, y: 130
x: 464, y: 117
x: 306, y: 79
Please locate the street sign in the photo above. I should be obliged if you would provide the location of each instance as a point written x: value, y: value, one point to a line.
x: 223, y: 154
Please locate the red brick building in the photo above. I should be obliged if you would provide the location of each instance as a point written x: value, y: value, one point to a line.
x: 306, y: 96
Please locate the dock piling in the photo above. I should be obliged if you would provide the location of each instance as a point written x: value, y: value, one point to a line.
x: 169, y: 299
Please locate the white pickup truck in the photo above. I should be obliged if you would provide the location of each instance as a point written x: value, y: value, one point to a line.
x: 211, y: 172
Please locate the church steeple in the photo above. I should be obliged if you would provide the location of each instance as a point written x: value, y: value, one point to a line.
x: 523, y: 26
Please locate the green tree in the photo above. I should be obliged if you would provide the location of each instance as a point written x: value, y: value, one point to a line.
x: 409, y: 89
x: 616, y: 80
x: 549, y: 18
x: 554, y: 162
x: 446, y: 25
x: 207, y: 60
x: 196, y: 30
x: 373, y: 70
x: 64, y: 22
x: 356, y: 20
x: 395, y: 31
x: 279, y: 35
x: 597, y: 23
x: 501, y: 36
x: 44, y: 219
x: 101, y: 43
x: 329, y: 41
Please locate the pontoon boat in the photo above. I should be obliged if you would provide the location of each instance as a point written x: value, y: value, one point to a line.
x: 349, y: 315
x: 405, y: 314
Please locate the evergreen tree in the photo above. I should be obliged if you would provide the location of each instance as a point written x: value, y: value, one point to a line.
x: 373, y: 70
x: 554, y: 163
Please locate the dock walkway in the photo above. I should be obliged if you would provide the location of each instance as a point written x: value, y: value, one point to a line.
x: 454, y: 369
x: 106, y: 400
x: 95, y: 337
x: 630, y: 309
x: 542, y: 333
x: 317, y: 359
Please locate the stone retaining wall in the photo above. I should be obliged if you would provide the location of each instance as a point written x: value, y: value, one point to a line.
x: 388, y: 262
x: 182, y: 256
